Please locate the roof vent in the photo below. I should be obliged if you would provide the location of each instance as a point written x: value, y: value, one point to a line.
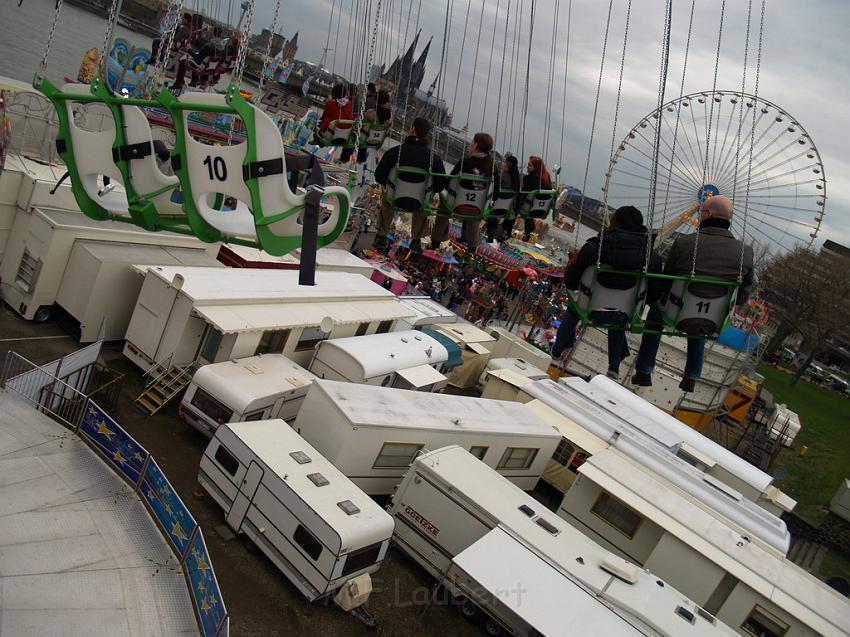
x: 550, y: 528
x: 685, y: 614
x: 404, y: 340
x: 711, y: 619
x: 318, y: 479
x: 620, y: 569
x: 349, y: 507
x: 527, y: 510
x: 300, y: 457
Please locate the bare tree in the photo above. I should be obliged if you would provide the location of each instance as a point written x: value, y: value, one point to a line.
x: 809, y: 294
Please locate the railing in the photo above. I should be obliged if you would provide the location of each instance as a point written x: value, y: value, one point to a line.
x: 132, y: 462
x: 157, y: 370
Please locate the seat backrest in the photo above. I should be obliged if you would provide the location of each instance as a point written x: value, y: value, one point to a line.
x: 593, y: 296
x: 467, y: 196
x: 538, y: 203
x: 377, y: 134
x: 340, y: 133
x: 698, y: 314
x: 408, y: 189
x: 503, y: 204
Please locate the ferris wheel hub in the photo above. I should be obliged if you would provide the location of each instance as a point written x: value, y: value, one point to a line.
x: 708, y: 190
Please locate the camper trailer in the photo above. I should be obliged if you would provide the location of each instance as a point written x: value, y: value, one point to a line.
x: 517, y: 365
x: 254, y: 388
x: 507, y: 556
x: 426, y: 312
x: 505, y: 384
x: 85, y: 268
x: 784, y: 424
x: 407, y: 360
x: 186, y: 315
x: 510, y: 345
x: 474, y: 345
x: 373, y: 433
x: 316, y: 526
x: 327, y: 259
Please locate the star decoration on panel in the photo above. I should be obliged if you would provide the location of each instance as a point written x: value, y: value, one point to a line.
x: 116, y: 445
x: 168, y: 509
x: 204, y: 585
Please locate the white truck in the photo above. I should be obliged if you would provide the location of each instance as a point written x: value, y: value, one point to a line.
x: 509, y: 561
x: 408, y: 360
x: 311, y: 521
x: 372, y: 434
x: 254, y: 388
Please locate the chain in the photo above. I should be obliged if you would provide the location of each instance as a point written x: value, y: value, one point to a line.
x: 566, y: 69
x: 110, y: 25
x: 593, y: 122
x: 359, y: 127
x: 614, y: 130
x: 743, y: 100
x: 269, y: 50
x: 501, y: 79
x: 752, y: 141
x: 708, y: 130
x: 490, y: 63
x: 239, y: 67
x: 42, y: 67
x: 656, y: 150
x: 167, y: 44
x: 407, y: 92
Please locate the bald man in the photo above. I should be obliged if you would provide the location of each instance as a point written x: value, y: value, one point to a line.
x: 718, y: 256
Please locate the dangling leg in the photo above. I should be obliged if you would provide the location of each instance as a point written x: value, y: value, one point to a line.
x: 566, y: 336
x: 693, y: 364
x: 418, y: 229
x: 649, y: 344
x: 385, y: 222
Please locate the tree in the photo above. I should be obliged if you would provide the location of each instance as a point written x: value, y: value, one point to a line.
x: 809, y: 294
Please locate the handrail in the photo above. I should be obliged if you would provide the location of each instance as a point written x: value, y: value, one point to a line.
x: 160, y: 367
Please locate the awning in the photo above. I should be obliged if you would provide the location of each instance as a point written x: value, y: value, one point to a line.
x: 277, y: 316
x: 421, y: 376
x: 455, y: 357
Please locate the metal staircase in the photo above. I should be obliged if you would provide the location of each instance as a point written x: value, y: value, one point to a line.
x: 166, y: 381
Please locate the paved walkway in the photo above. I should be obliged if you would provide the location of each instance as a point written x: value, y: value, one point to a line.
x: 79, y: 555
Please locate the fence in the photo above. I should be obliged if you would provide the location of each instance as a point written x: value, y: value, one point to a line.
x: 76, y: 411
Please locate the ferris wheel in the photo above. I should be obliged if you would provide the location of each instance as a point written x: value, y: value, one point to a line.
x: 728, y: 143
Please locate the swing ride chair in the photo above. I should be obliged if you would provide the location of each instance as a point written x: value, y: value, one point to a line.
x: 538, y: 203
x: 341, y: 133
x: 503, y: 204
x: 466, y: 198
x: 409, y: 190
x: 252, y: 171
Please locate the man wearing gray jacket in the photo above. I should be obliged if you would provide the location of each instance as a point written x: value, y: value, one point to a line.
x: 718, y: 256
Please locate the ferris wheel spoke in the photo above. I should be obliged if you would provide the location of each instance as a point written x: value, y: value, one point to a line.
x: 661, y: 182
x: 781, y: 237
x: 683, y: 130
x: 694, y: 175
x: 768, y: 171
x: 715, y: 170
x: 716, y: 135
x: 772, y: 176
x: 682, y: 179
x: 750, y: 206
x: 684, y: 176
x: 728, y: 163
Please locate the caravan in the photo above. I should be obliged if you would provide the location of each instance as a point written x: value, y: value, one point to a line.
x: 316, y: 526
x: 510, y: 345
x: 407, y: 360
x: 254, y: 388
x: 474, y: 345
x: 373, y: 433
x: 518, y: 365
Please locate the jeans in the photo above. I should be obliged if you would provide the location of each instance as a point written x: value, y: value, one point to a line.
x: 650, y: 343
x: 618, y: 348
x: 362, y: 154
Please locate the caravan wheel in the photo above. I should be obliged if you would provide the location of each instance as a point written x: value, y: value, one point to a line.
x: 492, y: 627
x: 469, y: 610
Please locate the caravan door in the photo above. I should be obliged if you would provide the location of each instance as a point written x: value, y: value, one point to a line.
x: 243, y: 499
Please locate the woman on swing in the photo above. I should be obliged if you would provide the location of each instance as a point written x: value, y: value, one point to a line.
x: 536, y: 178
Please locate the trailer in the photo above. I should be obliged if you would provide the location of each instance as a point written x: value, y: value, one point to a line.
x: 188, y: 315
x: 505, y: 384
x: 475, y: 346
x: 254, y: 388
x: 385, y: 274
x: 426, y: 312
x: 407, y: 360
x: 327, y: 259
x: 502, y: 554
x: 510, y: 345
x: 373, y: 433
x: 517, y: 365
x: 311, y: 521
x: 85, y: 268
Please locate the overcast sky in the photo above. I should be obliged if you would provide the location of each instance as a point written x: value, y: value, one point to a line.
x: 802, y: 69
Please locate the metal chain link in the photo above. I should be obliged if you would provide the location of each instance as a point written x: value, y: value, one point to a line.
x: 656, y: 150
x: 269, y: 50
x: 42, y: 67
x: 614, y: 129
x: 403, y: 133
x: 501, y: 79
x: 110, y: 25
x: 359, y: 126
x: 166, y: 45
x: 242, y: 55
x: 708, y: 130
x: 752, y: 141
x: 743, y: 101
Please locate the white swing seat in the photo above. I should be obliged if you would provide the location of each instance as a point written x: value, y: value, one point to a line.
x: 408, y: 189
x: 540, y: 203
x: 93, y: 157
x: 503, y: 204
x: 593, y: 296
x: 698, y: 314
x: 467, y: 196
x: 339, y: 133
x: 376, y: 135
x: 145, y: 175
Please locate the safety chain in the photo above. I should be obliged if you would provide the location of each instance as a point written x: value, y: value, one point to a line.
x: 743, y: 100
x: 359, y: 127
x: 110, y: 25
x: 269, y: 50
x: 501, y: 80
x: 662, y: 85
x: 42, y: 67
x: 166, y: 45
x: 239, y: 67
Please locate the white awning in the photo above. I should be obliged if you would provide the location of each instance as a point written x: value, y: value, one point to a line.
x: 421, y: 376
x: 273, y: 316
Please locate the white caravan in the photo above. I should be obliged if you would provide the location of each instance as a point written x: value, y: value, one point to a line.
x: 518, y: 365
x: 503, y: 552
x: 316, y: 526
x: 373, y: 433
x: 510, y: 345
x: 253, y: 388
x: 426, y: 311
x: 407, y: 360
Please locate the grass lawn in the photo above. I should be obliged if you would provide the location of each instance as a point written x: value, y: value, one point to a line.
x: 825, y: 416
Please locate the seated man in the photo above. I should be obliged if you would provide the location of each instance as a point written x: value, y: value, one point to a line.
x: 624, y: 245
x: 718, y: 256
x: 413, y: 153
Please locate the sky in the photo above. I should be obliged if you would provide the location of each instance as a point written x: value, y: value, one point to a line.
x: 801, y: 69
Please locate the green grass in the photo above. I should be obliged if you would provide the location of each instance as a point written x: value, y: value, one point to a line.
x: 825, y: 416
x: 834, y: 565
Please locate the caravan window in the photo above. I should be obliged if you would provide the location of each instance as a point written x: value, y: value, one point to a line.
x: 563, y: 453
x: 257, y: 415
x: 310, y: 337
x: 209, y: 406
x: 361, y: 558
x: 361, y: 329
x: 308, y: 542
x: 762, y: 624
x: 517, y: 458
x: 617, y: 514
x: 227, y: 460
x: 211, y: 345
x: 397, y: 455
x: 28, y: 271
x: 384, y: 327
x: 272, y: 342
x: 479, y: 452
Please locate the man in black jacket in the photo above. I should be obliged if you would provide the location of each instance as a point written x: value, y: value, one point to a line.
x: 413, y: 153
x: 624, y: 245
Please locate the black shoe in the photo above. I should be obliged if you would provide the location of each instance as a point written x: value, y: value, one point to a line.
x: 688, y: 384
x: 435, y: 244
x: 642, y: 379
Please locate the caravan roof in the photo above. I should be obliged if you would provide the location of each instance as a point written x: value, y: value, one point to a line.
x: 373, y: 406
x: 765, y: 571
x: 275, y: 444
x: 464, y: 332
x: 379, y: 354
x: 239, y: 383
x: 334, y: 259
x: 427, y: 311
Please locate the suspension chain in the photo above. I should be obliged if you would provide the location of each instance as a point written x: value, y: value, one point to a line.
x: 165, y: 45
x: 269, y: 50
x: 359, y: 127
x: 42, y: 67
x: 242, y: 55
x: 110, y: 25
